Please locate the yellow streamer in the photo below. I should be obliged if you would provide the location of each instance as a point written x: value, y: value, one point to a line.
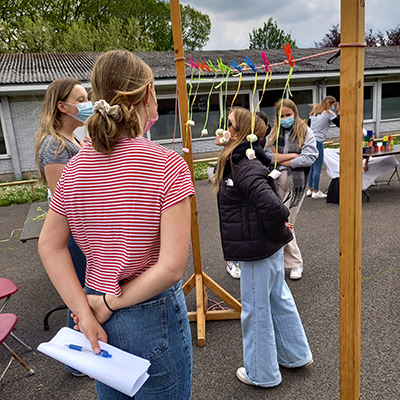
x: 287, y: 86
x: 237, y: 91
x: 38, y: 218
x: 253, y: 113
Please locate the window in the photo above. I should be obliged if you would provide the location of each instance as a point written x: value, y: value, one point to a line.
x: 164, y: 128
x: 199, y: 113
x: 242, y: 100
x: 333, y: 91
x: 368, y: 98
x: 390, y: 100
x: 303, y: 99
x: 368, y: 102
x: 268, y: 103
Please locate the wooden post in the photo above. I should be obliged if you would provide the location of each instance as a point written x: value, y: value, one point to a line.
x: 351, y: 114
x: 199, y: 278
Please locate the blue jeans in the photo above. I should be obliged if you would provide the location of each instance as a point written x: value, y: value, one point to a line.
x: 79, y: 261
x: 157, y: 330
x: 315, y: 171
x: 272, y: 330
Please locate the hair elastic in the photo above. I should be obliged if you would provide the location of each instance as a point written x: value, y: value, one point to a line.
x: 105, y: 302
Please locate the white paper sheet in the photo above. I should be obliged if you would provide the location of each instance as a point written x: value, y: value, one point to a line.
x: 123, y: 371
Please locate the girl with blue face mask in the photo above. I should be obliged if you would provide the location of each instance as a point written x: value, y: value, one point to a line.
x: 294, y: 151
x: 321, y: 116
x: 65, y: 108
x: 56, y: 144
x: 85, y: 110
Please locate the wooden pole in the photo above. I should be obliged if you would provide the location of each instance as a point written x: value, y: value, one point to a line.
x: 351, y: 110
x: 199, y: 278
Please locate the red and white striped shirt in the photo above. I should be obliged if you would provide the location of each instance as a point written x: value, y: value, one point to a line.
x: 114, y: 203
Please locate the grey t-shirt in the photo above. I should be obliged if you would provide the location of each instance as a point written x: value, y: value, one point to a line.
x: 320, y: 124
x: 48, y: 149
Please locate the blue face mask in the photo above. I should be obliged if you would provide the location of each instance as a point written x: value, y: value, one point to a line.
x: 287, y: 122
x: 333, y: 108
x: 85, y: 110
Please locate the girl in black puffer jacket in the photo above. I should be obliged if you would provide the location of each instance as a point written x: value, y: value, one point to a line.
x: 254, y: 231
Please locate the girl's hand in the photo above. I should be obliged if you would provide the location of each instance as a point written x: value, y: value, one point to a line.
x: 91, y: 328
x: 290, y: 226
x: 99, y: 309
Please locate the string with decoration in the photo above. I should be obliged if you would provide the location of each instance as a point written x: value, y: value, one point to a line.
x: 204, y: 131
x: 247, y: 65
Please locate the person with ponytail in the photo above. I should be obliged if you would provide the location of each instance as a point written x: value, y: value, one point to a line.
x: 321, y: 116
x: 293, y: 149
x: 233, y: 266
x: 126, y: 200
x: 65, y: 108
x: 254, y: 230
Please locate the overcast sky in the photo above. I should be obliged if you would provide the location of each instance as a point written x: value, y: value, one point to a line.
x: 306, y: 20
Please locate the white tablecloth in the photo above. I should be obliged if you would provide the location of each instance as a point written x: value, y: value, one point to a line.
x: 377, y: 166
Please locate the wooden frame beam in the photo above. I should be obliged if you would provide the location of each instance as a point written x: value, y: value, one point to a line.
x: 199, y: 280
x: 351, y: 109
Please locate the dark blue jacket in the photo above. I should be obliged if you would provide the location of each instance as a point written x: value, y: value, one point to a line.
x: 252, y: 216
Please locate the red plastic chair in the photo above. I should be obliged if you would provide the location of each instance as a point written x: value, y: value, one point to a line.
x: 7, y: 324
x: 7, y: 289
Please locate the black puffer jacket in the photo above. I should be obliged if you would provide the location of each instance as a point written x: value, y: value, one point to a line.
x: 252, y: 216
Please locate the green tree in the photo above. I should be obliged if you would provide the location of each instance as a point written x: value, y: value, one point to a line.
x: 36, y: 36
x: 270, y: 37
x: 196, y: 28
x: 81, y: 37
x: 148, y: 21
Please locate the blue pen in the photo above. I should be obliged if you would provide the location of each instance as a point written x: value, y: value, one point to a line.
x: 103, y: 353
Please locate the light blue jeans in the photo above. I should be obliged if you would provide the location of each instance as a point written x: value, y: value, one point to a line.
x: 315, y: 170
x: 79, y: 261
x: 157, y: 330
x: 272, y: 330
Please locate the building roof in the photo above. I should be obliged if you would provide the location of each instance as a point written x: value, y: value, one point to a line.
x: 45, y: 67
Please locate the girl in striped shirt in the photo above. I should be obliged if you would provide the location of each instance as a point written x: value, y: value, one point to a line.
x: 127, y: 202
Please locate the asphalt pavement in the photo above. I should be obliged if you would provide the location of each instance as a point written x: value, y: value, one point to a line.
x: 215, y: 364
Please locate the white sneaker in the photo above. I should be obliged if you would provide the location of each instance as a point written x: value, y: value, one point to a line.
x: 296, y: 273
x: 240, y: 373
x: 318, y: 195
x: 233, y: 268
x: 309, y: 193
x: 308, y: 364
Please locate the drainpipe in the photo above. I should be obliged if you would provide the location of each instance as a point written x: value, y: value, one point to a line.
x: 10, y: 138
x: 378, y: 113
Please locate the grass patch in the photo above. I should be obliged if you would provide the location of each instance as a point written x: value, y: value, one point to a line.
x: 200, y: 171
x: 21, y: 194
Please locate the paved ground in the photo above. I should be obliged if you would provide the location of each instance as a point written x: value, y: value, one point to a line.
x: 316, y: 294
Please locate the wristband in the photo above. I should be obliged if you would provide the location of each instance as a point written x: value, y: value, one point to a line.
x: 105, y: 302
